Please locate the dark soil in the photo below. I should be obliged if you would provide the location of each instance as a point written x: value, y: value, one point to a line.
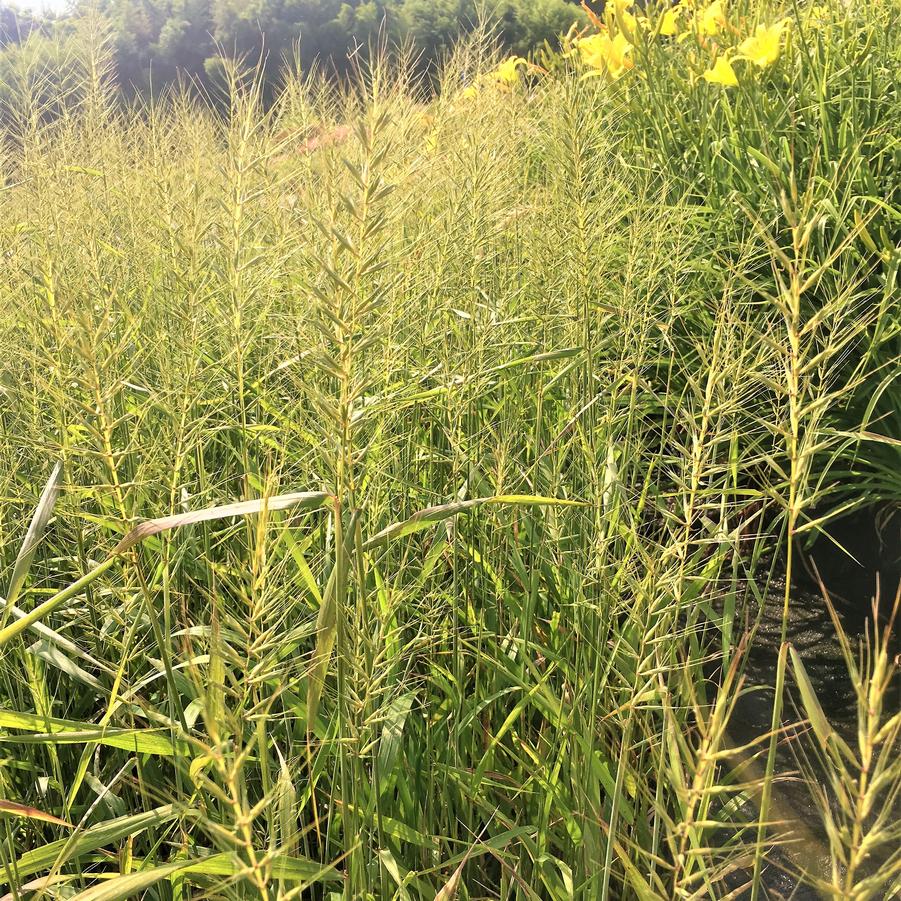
x: 870, y: 561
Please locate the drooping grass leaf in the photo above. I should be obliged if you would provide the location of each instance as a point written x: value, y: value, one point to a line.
x: 154, y: 527
x: 49, y: 730
x: 42, y: 515
x: 304, y: 500
x: 288, y: 869
x: 118, y: 888
x: 57, y: 853
x: 425, y: 519
x: 11, y: 808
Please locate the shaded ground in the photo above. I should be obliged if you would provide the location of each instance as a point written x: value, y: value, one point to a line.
x: 874, y: 539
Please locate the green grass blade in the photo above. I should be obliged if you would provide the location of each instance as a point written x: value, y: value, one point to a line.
x: 430, y: 516
x: 49, y: 730
x: 39, y: 521
x: 56, y: 854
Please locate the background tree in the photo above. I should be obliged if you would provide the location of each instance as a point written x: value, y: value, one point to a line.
x: 159, y: 41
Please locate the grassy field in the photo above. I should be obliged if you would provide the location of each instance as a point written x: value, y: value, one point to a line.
x: 528, y: 394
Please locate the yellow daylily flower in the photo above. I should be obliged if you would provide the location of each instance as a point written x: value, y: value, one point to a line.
x: 606, y: 54
x: 712, y: 18
x: 502, y: 78
x: 619, y: 59
x: 507, y: 72
x: 625, y: 21
x: 722, y: 73
x: 593, y: 49
x: 669, y: 25
x: 764, y: 47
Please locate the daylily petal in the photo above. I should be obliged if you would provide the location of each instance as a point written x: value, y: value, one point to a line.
x: 619, y: 59
x: 712, y: 18
x: 722, y: 73
x: 669, y: 25
x: 764, y: 47
x: 508, y: 71
x: 625, y: 21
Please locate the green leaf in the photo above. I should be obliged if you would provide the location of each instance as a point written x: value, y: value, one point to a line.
x: 390, y: 864
x: 766, y: 162
x: 815, y: 714
x: 284, y: 867
x: 51, y: 653
x: 154, y: 527
x: 55, y: 854
x: 11, y: 808
x: 51, y: 730
x: 392, y: 732
x: 130, y: 884
x: 288, y: 869
x: 425, y: 519
x: 486, y: 846
x: 400, y: 831
x: 42, y: 515
x: 326, y: 632
x: 562, y: 354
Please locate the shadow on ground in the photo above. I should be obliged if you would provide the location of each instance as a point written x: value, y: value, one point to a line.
x: 870, y: 556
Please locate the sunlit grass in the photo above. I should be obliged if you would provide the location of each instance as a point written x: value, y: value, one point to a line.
x: 548, y: 416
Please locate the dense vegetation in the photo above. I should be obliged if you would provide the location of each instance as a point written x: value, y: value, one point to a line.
x: 392, y: 488
x: 156, y: 42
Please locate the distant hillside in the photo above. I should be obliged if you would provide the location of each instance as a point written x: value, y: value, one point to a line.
x: 159, y: 41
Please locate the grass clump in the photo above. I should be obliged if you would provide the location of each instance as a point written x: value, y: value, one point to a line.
x: 417, y: 474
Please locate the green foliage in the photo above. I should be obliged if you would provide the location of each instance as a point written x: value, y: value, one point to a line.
x: 389, y: 491
x: 810, y: 140
x: 158, y: 42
